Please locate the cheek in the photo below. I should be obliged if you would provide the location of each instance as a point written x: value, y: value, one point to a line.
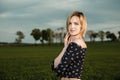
x: 69, y: 28
x: 78, y: 28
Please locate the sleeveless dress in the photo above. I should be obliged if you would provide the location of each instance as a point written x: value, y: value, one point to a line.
x: 71, y: 64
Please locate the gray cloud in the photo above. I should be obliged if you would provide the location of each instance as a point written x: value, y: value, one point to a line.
x: 26, y: 15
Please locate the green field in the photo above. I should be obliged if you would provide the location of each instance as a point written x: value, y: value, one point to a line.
x: 102, y: 62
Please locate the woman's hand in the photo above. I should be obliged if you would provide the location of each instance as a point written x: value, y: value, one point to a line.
x: 66, y: 40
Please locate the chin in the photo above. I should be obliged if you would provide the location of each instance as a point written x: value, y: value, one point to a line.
x: 73, y: 34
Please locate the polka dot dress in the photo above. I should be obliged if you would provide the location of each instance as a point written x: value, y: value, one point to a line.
x: 71, y: 64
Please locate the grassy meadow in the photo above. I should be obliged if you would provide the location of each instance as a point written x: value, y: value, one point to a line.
x: 102, y: 62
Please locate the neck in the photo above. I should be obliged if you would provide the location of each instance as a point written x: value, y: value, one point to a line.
x: 78, y: 36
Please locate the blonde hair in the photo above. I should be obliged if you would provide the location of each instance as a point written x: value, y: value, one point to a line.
x: 83, y: 22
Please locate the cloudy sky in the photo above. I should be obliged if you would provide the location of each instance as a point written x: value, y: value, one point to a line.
x: 25, y: 15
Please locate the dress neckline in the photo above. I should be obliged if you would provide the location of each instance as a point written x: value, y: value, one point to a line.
x: 77, y: 45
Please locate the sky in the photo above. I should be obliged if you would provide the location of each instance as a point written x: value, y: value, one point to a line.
x: 26, y: 15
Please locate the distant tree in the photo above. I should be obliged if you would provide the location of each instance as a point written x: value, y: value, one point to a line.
x: 101, y: 34
x: 50, y: 35
x: 108, y: 34
x: 119, y: 36
x: 20, y: 36
x: 36, y: 34
x: 47, y: 35
x: 89, y: 33
x: 111, y: 36
x: 43, y: 36
x: 94, y: 36
x: 56, y: 36
x: 61, y: 34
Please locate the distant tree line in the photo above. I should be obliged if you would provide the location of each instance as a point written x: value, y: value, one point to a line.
x: 44, y: 36
x: 102, y: 35
x: 48, y: 35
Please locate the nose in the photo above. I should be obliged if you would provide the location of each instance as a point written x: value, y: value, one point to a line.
x: 72, y: 26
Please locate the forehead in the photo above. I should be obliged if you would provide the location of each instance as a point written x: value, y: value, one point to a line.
x: 74, y: 19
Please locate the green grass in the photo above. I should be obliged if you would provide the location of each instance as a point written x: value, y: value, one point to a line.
x: 102, y: 62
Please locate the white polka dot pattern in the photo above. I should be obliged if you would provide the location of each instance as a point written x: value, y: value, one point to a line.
x: 72, y: 62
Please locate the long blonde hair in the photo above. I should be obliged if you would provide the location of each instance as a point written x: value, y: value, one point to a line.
x: 83, y: 22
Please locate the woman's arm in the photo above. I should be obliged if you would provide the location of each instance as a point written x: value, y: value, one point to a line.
x: 58, y: 58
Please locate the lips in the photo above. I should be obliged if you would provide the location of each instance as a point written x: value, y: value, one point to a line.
x: 72, y: 30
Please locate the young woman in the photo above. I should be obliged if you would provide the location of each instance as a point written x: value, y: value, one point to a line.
x: 68, y: 64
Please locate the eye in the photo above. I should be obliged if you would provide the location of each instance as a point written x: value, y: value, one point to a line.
x: 76, y: 23
x: 70, y: 23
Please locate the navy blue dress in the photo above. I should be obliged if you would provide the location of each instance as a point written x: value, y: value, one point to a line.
x: 71, y: 64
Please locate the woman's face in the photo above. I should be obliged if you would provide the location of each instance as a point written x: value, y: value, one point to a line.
x: 74, y: 26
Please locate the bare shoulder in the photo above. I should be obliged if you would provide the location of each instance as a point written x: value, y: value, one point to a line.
x: 80, y: 42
